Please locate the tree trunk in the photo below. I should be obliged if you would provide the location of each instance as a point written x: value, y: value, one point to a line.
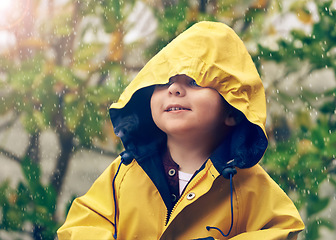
x: 57, y: 177
x: 33, y: 150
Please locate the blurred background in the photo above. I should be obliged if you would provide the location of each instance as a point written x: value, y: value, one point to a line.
x: 63, y: 62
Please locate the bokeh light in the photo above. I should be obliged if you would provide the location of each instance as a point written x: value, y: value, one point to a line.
x: 5, y: 5
x: 12, y: 12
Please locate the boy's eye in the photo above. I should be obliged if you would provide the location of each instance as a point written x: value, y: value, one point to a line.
x: 193, y: 83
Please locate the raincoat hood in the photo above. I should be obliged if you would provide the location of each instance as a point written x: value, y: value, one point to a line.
x: 214, y: 56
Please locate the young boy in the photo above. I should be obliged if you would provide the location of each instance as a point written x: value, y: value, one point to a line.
x: 193, y: 126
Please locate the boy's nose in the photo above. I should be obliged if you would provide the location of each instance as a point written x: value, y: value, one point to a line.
x: 176, y: 89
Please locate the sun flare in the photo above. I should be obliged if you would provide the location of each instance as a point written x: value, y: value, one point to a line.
x: 12, y: 12
x: 5, y: 5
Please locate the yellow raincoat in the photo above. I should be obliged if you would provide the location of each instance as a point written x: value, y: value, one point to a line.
x: 131, y: 199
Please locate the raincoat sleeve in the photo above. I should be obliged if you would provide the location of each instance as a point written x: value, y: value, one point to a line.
x: 265, y: 211
x: 92, y: 215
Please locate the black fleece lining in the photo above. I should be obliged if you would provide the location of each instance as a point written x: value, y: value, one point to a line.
x: 154, y: 168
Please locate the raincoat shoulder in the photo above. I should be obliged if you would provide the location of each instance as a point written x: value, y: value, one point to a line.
x: 92, y: 215
x: 265, y: 211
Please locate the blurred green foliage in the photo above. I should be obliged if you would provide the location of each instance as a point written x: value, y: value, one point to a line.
x: 31, y: 203
x: 55, y: 79
x: 300, y: 164
x: 306, y: 158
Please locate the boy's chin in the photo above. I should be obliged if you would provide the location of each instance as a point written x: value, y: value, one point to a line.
x: 175, y: 132
x: 185, y: 133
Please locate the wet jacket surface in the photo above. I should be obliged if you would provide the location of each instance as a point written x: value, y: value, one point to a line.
x: 131, y: 199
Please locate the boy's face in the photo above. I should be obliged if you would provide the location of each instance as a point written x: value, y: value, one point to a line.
x: 182, y: 108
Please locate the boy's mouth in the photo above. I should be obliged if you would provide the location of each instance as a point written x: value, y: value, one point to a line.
x: 176, y: 108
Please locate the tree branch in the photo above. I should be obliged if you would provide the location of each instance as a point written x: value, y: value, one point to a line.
x: 57, y: 177
x: 10, y: 155
x: 8, y: 123
x: 100, y: 151
x: 33, y: 150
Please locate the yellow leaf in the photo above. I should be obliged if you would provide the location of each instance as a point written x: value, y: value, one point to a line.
x: 39, y: 120
x: 272, y: 30
x: 306, y: 146
x: 260, y: 4
x: 304, y: 16
x: 33, y: 43
x: 116, y: 47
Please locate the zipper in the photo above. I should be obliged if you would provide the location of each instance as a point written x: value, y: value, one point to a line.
x: 167, y: 217
x: 187, y: 189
